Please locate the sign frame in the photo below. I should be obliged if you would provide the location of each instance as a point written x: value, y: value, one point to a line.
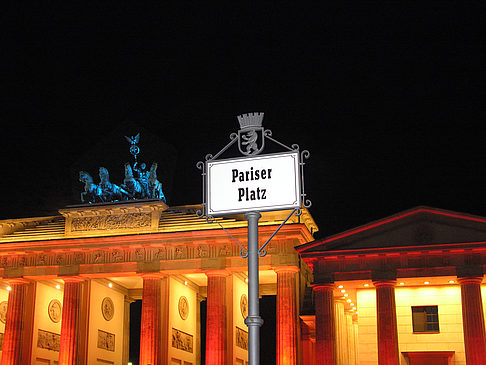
x: 296, y: 189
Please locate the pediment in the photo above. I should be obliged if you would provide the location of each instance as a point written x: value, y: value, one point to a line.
x: 421, y: 226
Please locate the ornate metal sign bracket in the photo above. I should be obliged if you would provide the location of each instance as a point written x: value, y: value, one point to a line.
x: 249, y: 145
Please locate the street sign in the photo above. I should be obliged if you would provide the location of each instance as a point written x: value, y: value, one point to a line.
x: 262, y: 183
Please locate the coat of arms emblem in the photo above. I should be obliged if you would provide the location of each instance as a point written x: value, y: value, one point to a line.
x: 251, y: 134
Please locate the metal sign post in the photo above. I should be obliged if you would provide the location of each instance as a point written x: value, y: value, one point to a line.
x: 253, y: 321
x: 250, y: 185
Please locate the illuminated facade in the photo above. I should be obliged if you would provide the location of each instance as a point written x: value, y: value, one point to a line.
x: 406, y: 289
x: 68, y: 281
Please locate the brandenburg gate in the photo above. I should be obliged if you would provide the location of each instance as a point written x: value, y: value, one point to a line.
x: 68, y: 281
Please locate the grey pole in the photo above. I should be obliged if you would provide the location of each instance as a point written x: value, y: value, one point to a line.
x: 253, y: 321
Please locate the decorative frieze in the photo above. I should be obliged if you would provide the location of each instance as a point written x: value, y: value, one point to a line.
x: 113, y: 222
x: 241, y: 338
x: 106, y: 341
x: 182, y: 341
x: 48, y: 340
x: 119, y: 255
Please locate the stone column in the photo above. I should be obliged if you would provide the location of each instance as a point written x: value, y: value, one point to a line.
x: 287, y: 315
x: 351, y: 345
x: 150, y: 329
x: 14, y: 325
x: 199, y: 299
x: 356, y: 339
x: 386, y: 322
x: 473, y: 320
x: 308, y: 354
x: 341, y: 333
x: 216, y: 332
x: 126, y: 328
x: 325, y: 324
x: 68, y: 347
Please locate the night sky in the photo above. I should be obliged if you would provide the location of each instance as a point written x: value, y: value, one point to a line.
x: 387, y: 97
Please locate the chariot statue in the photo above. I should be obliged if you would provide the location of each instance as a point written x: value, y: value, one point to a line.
x: 137, y: 184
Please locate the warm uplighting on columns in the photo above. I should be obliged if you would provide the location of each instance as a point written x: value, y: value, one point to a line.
x: 325, y: 324
x: 286, y: 315
x: 216, y: 344
x: 386, y: 322
x: 68, y: 346
x: 150, y: 329
x: 12, y: 340
x: 473, y: 320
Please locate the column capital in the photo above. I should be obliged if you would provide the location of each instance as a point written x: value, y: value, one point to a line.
x: 384, y: 283
x: 322, y: 286
x: 289, y: 268
x: 339, y: 299
x: 127, y: 299
x: 470, y: 280
x: 152, y: 275
x: 222, y: 273
x: 17, y: 281
x: 73, y: 279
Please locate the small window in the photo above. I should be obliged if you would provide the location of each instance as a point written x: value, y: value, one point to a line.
x: 425, y: 319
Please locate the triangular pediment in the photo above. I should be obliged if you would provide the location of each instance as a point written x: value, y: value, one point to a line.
x: 421, y: 226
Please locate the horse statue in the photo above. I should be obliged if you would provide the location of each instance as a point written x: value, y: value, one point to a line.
x: 110, y: 192
x: 132, y: 185
x: 155, y: 186
x: 92, y: 192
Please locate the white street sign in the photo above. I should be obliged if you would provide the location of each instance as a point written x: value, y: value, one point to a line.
x: 261, y: 183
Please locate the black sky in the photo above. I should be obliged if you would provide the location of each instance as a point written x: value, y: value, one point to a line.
x: 387, y: 97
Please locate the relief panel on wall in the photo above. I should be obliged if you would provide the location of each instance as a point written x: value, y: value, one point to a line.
x: 106, y: 341
x: 48, y: 340
x: 182, y: 341
x: 241, y: 338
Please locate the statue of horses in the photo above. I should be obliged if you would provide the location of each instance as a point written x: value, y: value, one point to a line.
x: 110, y: 192
x: 92, y: 192
x: 155, y: 186
x: 132, y: 185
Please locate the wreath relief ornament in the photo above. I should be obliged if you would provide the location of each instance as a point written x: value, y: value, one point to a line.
x: 183, y: 307
x: 107, y: 308
x: 244, y: 305
x: 54, y: 309
x: 3, y: 311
